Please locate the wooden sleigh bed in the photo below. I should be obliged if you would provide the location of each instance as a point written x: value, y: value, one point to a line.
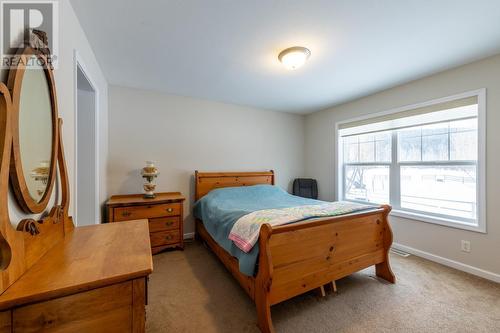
x: 303, y: 256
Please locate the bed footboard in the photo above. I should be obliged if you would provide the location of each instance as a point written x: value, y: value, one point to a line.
x: 300, y: 257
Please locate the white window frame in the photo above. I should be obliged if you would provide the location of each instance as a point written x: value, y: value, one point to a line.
x: 394, y: 188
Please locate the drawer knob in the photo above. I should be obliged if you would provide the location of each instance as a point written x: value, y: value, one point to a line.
x: 126, y: 213
x: 169, y: 237
x: 169, y: 223
x: 170, y: 210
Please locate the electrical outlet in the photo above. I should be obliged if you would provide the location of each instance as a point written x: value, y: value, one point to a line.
x: 466, y: 246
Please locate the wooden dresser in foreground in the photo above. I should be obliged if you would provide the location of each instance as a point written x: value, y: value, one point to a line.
x: 164, y: 213
x: 55, y: 277
x: 95, y: 280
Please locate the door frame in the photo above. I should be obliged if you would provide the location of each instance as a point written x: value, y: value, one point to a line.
x: 80, y: 64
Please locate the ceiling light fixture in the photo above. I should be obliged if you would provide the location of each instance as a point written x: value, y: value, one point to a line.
x: 294, y: 57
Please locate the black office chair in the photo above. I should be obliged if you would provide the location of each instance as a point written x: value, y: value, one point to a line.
x: 306, y: 188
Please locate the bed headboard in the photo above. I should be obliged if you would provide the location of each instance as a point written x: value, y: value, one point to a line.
x: 207, y: 181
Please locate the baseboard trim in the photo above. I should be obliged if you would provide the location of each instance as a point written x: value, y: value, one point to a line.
x: 189, y: 235
x: 450, y: 263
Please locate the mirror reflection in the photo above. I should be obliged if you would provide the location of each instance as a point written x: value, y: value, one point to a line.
x: 35, y: 131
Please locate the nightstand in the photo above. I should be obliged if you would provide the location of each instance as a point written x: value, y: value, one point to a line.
x: 164, y: 213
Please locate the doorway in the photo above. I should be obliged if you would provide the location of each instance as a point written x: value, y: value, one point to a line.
x: 86, y: 152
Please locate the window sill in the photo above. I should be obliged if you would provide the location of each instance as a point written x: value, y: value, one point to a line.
x: 439, y: 221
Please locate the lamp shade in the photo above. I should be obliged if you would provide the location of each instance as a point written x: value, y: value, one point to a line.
x: 294, y: 57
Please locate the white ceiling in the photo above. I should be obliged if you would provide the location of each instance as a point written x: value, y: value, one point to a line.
x: 226, y: 50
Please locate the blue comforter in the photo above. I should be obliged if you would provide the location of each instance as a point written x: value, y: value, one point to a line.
x: 221, y: 208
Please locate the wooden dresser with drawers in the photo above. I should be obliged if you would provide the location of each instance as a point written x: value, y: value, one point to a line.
x: 164, y: 213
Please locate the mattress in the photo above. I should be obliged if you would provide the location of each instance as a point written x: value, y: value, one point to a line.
x: 221, y: 208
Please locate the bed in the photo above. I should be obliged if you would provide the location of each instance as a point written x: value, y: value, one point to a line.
x: 302, y: 256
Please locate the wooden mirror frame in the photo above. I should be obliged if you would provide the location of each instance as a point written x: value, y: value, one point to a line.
x: 18, y: 180
x: 22, y: 247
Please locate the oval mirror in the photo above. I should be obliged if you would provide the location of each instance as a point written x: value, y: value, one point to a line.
x: 35, y: 131
x: 34, y: 137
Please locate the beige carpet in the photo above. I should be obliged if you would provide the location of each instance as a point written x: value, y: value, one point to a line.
x: 191, y: 291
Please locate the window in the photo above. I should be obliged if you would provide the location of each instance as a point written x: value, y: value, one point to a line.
x: 367, y: 162
x: 426, y: 161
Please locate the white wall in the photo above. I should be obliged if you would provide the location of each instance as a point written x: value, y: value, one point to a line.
x: 72, y: 37
x: 184, y: 134
x: 436, y: 240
